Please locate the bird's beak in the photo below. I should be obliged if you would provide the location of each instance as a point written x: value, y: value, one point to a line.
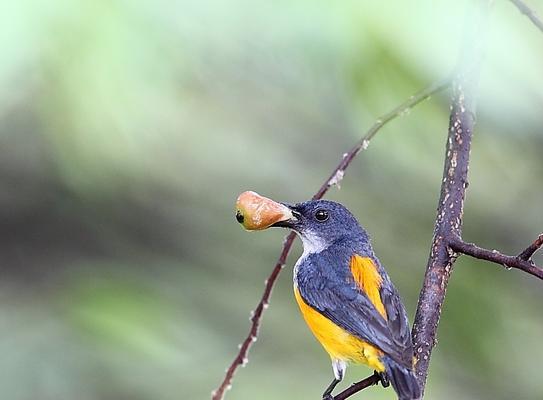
x: 256, y: 212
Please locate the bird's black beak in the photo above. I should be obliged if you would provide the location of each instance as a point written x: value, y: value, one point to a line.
x: 291, y: 218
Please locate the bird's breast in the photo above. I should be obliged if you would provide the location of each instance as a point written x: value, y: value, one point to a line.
x: 337, y: 342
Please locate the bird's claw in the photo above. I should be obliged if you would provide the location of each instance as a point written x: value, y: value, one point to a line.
x: 327, y: 397
x: 382, y: 378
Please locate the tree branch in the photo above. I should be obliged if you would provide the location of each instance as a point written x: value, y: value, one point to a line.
x: 495, y: 256
x: 335, y: 177
x: 448, y: 223
x: 453, y: 190
x: 524, y: 9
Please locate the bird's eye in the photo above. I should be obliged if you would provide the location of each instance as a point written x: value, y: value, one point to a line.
x: 321, y: 215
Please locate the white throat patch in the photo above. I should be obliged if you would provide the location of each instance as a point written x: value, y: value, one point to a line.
x: 313, y: 244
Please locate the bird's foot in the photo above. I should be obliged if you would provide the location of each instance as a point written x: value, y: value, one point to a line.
x: 327, y: 397
x: 383, y: 378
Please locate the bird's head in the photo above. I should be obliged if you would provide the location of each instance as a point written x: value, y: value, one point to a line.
x: 319, y: 223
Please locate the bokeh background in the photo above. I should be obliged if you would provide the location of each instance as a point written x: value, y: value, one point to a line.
x: 127, y: 130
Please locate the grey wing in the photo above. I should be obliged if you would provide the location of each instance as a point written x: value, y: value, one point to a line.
x: 398, y: 323
x: 347, y: 306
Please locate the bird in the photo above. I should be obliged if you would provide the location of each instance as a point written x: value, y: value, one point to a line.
x: 344, y: 293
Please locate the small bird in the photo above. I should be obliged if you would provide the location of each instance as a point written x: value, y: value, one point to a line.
x: 345, y: 295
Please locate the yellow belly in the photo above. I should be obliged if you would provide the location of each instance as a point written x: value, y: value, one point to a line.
x: 339, y: 344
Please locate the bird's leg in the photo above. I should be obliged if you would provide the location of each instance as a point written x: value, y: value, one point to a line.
x: 327, y: 395
x: 339, y: 367
x: 383, y: 378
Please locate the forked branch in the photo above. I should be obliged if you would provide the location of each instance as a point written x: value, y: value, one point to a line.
x: 520, y: 262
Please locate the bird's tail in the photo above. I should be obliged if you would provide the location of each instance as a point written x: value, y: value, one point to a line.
x: 403, y: 380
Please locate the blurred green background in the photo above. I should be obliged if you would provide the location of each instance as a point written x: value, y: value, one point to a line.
x: 127, y: 130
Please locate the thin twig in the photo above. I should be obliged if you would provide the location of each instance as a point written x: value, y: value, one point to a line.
x: 531, y: 249
x: 495, y: 256
x: 358, y: 386
x: 526, y: 10
x: 335, y: 177
x: 337, y: 174
x: 241, y: 358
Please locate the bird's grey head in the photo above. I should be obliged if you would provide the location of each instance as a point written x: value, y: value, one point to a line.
x: 320, y: 223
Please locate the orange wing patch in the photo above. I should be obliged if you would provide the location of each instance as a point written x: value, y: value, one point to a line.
x: 367, y: 277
